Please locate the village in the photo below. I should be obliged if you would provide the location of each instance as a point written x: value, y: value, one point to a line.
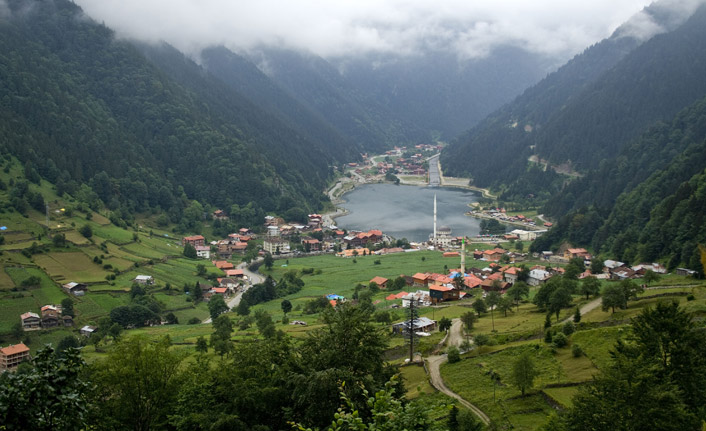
x: 279, y: 239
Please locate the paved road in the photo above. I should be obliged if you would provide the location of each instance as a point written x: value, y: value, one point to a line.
x: 434, y: 171
x: 455, y: 338
x: 253, y: 277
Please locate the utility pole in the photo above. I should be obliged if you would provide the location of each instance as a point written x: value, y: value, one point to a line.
x: 410, y: 329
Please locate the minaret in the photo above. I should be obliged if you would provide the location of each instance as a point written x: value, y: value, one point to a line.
x: 463, y: 256
x: 434, y: 240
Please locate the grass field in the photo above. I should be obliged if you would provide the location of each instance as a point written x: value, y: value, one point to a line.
x: 71, y: 266
x: 563, y: 396
x: 470, y: 379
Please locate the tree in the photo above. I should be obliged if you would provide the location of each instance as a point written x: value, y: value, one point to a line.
x: 190, y: 251
x: 195, y: 293
x: 459, y: 281
x: 577, y: 315
x: 220, y: 339
x: 596, y: 266
x: 17, y: 330
x: 59, y: 240
x: 67, y: 307
x: 201, y: 344
x: 217, y: 306
x: 49, y: 394
x: 67, y: 342
x: 524, y: 372
x: 518, y: 291
x: 114, y: 331
x: 286, y: 306
x: 171, y: 318
x: 630, y: 288
x: 268, y: 261
x: 349, y: 348
x: 493, y: 299
x: 561, y: 298
x: 200, y: 269
x: 264, y: 323
x: 453, y: 355
x: 505, y: 305
x: 650, y: 276
x: 655, y: 381
x: 467, y: 421
x: 87, y: 231
x: 445, y: 324
x: 243, y: 309
x: 590, y: 286
x: 613, y: 296
x: 468, y: 319
x: 137, y: 385
x: 479, y: 306
x: 384, y: 411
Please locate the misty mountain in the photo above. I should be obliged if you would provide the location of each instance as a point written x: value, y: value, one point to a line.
x: 82, y: 108
x: 590, y: 108
x: 245, y: 78
x: 319, y: 86
x: 442, y: 93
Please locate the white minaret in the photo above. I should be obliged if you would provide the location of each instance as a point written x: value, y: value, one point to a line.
x: 463, y: 256
x: 434, y: 241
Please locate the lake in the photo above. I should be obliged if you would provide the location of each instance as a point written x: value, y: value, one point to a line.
x: 408, y: 211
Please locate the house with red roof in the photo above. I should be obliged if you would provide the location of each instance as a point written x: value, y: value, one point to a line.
x: 494, y: 285
x: 235, y: 273
x: 511, y: 274
x: 223, y: 264
x: 420, y: 279
x: 472, y: 281
x: 311, y: 244
x: 493, y: 255
x: 193, y: 240
x: 12, y: 355
x: 30, y: 321
x: 380, y: 281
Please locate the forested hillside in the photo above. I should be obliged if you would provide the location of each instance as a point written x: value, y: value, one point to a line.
x: 82, y: 108
x: 588, y: 110
x: 648, y: 203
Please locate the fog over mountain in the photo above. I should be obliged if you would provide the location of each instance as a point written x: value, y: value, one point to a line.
x: 396, y: 27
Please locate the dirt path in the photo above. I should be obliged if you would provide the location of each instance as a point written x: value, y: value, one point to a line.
x: 598, y: 301
x: 585, y: 309
x: 434, y: 363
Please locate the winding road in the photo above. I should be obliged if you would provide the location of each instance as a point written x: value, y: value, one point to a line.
x: 455, y: 338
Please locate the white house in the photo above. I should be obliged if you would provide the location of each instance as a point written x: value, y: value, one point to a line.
x: 203, y: 251
x: 537, y: 277
x: 144, y: 279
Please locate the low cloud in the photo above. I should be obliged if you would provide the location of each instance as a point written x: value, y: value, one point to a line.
x: 355, y: 27
x: 671, y: 13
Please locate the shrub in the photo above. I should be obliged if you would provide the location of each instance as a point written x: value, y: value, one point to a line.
x: 453, y: 354
x: 576, y: 350
x: 690, y: 297
x: 560, y: 340
x: 194, y: 321
x: 568, y: 328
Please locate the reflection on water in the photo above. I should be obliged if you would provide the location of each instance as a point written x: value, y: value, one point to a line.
x: 408, y: 211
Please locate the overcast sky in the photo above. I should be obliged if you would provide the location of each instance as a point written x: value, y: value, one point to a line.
x: 334, y: 28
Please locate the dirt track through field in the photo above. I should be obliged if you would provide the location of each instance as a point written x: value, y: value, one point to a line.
x: 455, y: 338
